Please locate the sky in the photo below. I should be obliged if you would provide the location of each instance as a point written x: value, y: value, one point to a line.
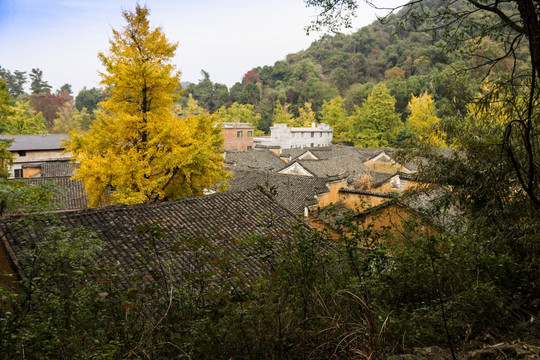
x: 224, y: 38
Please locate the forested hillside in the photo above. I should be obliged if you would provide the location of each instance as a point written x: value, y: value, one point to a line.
x: 409, y: 63
x: 328, y: 82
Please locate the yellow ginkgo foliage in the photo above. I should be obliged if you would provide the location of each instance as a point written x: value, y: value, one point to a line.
x: 138, y: 149
x: 423, y: 120
x: 306, y: 116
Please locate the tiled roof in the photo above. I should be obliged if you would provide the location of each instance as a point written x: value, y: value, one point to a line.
x: 380, y: 178
x: 343, y: 166
x: 254, y: 160
x: 293, y: 153
x: 70, y: 195
x: 370, y: 153
x: 293, y: 191
x: 370, y: 193
x: 326, y: 152
x: 35, y: 142
x: 52, y: 168
x: 217, y: 221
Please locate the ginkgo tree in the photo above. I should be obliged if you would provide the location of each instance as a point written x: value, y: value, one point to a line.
x: 423, y: 120
x: 334, y: 114
x: 138, y: 149
x: 281, y: 114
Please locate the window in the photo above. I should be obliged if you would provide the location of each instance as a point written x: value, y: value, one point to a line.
x: 18, y: 173
x: 249, y: 147
x: 311, y: 144
x: 21, y: 153
x: 250, y: 133
x: 320, y: 134
x: 239, y: 133
x: 312, y: 134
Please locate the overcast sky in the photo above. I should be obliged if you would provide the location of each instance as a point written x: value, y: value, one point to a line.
x: 225, y: 38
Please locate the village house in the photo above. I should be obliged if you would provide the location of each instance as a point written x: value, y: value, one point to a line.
x: 237, y: 136
x: 30, y: 152
x: 297, y: 137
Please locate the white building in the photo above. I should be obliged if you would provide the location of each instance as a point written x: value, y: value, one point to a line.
x: 297, y: 137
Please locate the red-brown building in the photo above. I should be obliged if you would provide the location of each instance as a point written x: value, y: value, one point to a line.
x: 238, y: 136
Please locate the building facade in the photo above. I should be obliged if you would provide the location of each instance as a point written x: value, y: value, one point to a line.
x: 238, y: 136
x: 298, y: 137
x: 30, y: 149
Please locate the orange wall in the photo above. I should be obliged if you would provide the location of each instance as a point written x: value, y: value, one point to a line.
x: 390, y: 216
x: 31, y: 172
x: 360, y: 202
x: 332, y: 196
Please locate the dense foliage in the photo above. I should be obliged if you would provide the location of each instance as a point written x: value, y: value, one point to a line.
x: 138, y: 148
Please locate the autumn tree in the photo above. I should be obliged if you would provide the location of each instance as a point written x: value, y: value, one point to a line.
x: 48, y: 104
x: 423, y: 120
x: 70, y: 118
x: 138, y: 149
x: 306, y: 116
x: 5, y: 103
x: 281, y: 114
x: 23, y: 120
x: 250, y: 77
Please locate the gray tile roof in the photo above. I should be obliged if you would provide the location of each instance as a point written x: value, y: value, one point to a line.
x: 334, y: 151
x: 292, y: 191
x: 35, y: 142
x: 388, y: 195
x: 217, y: 221
x: 338, y: 167
x: 52, y: 168
x: 253, y: 160
x: 70, y: 195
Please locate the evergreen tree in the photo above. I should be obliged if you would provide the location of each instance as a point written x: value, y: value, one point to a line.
x: 38, y: 85
x: 376, y: 123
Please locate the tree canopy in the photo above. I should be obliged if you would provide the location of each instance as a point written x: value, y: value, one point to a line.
x: 138, y: 149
